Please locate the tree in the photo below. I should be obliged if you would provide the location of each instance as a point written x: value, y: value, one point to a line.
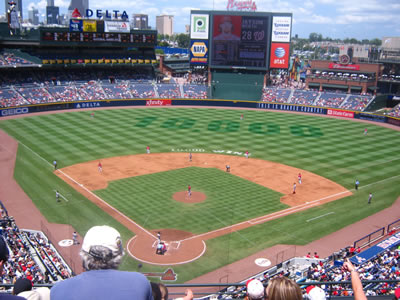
x: 183, y: 40
x: 376, y: 42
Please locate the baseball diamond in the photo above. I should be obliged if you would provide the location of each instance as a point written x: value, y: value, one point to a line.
x: 245, y: 211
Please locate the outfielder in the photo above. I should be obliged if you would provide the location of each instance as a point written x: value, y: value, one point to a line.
x: 369, y: 198
x: 55, y: 164
x: 57, y: 196
x: 357, y: 184
x: 100, y: 167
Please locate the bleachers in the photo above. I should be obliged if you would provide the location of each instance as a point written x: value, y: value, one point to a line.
x: 395, y: 112
x: 36, y: 95
x: 356, y: 102
x: 168, y: 90
x: 9, y: 97
x: 333, y: 100
x: 273, y: 94
x: 304, y: 97
x: 195, y: 91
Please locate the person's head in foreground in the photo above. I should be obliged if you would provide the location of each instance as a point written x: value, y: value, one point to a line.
x: 283, y: 288
x: 255, y: 289
x: 101, y: 249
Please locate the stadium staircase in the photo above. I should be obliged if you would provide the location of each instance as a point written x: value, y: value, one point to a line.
x: 317, y: 98
x: 345, y: 100
x: 290, y: 96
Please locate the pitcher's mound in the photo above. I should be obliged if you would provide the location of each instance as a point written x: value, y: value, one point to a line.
x: 196, y: 197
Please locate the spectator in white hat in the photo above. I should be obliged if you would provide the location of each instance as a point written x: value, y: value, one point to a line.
x: 255, y: 289
x: 101, y: 256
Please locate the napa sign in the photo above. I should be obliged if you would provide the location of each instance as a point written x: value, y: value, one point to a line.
x: 107, y: 14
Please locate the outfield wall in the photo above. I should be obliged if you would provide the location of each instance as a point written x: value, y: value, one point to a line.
x: 21, y: 110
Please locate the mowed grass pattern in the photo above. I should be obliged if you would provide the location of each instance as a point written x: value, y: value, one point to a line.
x: 230, y: 199
x: 336, y: 149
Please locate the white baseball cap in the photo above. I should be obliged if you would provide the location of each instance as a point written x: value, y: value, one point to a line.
x: 104, y: 236
x: 255, y: 289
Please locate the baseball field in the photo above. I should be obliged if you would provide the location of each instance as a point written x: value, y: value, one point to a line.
x: 143, y: 189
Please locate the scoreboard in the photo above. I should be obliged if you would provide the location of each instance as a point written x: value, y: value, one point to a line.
x: 129, y: 39
x: 240, y: 40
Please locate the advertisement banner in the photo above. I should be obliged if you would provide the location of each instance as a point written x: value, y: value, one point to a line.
x: 199, y: 27
x: 340, y: 113
x: 75, y: 25
x: 89, y: 26
x: 198, y: 52
x: 393, y: 121
x: 288, y: 107
x: 281, y: 27
x: 117, y: 26
x: 158, y: 102
x: 279, y: 56
x: 344, y: 67
x: 14, y: 111
x: 372, y: 252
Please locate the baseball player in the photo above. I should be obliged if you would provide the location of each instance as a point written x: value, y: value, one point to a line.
x: 100, y: 167
x: 190, y: 156
x: 241, y: 117
x: 92, y: 115
x: 246, y: 154
x: 369, y: 198
x: 357, y: 184
x: 57, y: 196
x: 294, y: 188
x: 75, y: 238
x: 365, y: 131
x: 299, y: 178
x: 189, y: 190
x: 159, y: 237
x: 228, y: 168
x: 148, y: 149
x: 55, y: 164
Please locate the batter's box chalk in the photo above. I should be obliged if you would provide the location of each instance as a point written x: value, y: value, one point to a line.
x: 175, y: 245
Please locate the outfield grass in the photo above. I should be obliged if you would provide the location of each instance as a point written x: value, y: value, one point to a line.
x: 336, y: 149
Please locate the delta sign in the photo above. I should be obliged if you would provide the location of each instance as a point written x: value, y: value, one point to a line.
x: 198, y: 51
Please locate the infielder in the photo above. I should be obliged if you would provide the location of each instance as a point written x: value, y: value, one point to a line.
x: 100, y: 167
x: 190, y: 156
x: 57, y: 196
x: 246, y: 154
x: 369, y: 198
x: 299, y: 178
x: 75, y: 238
x: 148, y: 149
x: 294, y: 188
x: 228, y: 168
x: 55, y: 164
x: 189, y: 190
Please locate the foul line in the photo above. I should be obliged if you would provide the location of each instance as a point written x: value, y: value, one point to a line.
x: 329, y: 213
x: 61, y: 196
x: 92, y: 194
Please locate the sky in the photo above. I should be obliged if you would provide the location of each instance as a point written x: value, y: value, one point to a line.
x: 360, y: 19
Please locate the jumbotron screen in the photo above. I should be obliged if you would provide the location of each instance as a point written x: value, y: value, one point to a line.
x: 240, y: 41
